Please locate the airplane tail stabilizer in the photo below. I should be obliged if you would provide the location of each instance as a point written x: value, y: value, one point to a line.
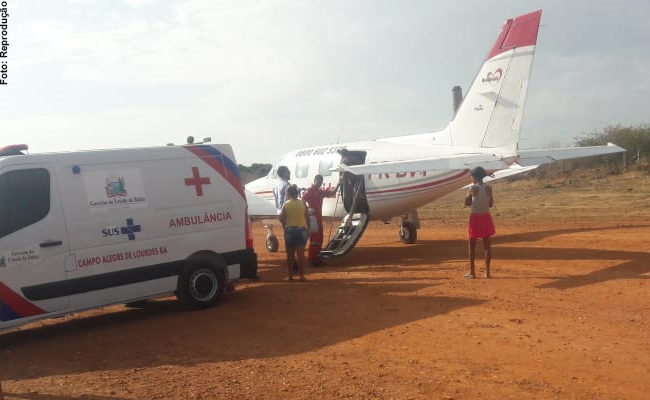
x: 491, y: 112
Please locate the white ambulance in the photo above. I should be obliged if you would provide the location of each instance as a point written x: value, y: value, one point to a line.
x: 86, y: 229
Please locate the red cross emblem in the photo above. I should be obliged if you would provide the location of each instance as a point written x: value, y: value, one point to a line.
x: 197, y: 181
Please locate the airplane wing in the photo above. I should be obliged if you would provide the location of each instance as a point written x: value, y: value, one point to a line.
x: 526, y: 158
x: 514, y: 169
x: 462, y: 161
x: 258, y: 208
x: 547, y: 156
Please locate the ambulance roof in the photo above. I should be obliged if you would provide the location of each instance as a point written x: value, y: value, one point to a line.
x: 113, y: 155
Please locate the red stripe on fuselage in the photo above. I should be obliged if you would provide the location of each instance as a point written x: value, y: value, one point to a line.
x: 17, y: 303
x: 422, y: 185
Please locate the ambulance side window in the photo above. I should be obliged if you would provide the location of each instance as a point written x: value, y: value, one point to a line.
x: 24, y: 198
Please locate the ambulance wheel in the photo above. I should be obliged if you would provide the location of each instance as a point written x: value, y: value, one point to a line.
x: 272, y: 244
x: 200, y: 286
x: 408, y: 233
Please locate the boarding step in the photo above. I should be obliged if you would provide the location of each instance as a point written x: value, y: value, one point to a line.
x: 347, y: 235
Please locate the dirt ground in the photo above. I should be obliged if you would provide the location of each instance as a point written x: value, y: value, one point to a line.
x: 566, y: 316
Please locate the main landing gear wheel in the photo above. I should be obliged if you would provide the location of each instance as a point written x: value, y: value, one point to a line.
x: 200, y: 286
x: 272, y: 244
x: 408, y: 233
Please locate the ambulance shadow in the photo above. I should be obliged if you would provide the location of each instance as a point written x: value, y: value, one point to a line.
x: 261, y: 320
x: 38, y: 396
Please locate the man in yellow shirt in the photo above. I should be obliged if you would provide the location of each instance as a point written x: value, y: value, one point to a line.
x: 295, y: 221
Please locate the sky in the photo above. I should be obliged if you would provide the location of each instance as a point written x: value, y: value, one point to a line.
x: 271, y: 76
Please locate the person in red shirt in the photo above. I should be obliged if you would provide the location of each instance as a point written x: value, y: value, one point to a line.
x: 314, y: 197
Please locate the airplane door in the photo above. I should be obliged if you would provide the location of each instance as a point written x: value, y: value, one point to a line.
x: 356, y: 206
x: 33, y: 243
x: 353, y: 187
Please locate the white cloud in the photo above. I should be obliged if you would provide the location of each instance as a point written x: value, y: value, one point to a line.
x: 198, y: 42
x: 139, y: 3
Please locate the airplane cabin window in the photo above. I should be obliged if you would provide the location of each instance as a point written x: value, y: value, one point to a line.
x: 24, y: 198
x: 325, y: 166
x: 302, y: 169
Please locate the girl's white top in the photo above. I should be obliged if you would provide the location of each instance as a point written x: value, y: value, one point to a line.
x: 480, y: 199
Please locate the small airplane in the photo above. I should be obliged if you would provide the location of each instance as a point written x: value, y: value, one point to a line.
x: 393, y: 177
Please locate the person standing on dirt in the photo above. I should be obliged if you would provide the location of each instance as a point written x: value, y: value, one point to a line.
x: 479, y: 197
x: 280, y: 189
x: 314, y: 197
x: 295, y: 220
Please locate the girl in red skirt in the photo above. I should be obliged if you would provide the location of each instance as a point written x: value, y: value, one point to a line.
x: 479, y: 197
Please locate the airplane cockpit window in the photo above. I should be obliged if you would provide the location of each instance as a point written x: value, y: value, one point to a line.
x: 325, y: 166
x: 302, y: 169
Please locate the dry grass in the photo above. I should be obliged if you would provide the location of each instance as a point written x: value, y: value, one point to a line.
x: 587, y: 194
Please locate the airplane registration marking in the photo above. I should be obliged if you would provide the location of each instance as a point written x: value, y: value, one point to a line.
x: 422, y: 185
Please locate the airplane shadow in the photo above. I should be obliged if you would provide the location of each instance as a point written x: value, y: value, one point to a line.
x: 434, y: 254
x: 540, y: 235
x: 260, y: 321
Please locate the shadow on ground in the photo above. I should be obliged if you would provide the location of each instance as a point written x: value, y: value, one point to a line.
x: 274, y: 318
x: 268, y: 319
x: 437, y: 253
x: 39, y: 396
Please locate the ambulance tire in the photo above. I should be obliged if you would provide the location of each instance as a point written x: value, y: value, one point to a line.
x: 200, y: 285
x: 272, y: 243
x: 408, y: 233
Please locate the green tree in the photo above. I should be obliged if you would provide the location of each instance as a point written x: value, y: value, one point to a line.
x: 634, y: 139
x: 253, y: 172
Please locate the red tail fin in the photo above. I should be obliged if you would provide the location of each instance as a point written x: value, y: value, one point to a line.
x: 517, y: 32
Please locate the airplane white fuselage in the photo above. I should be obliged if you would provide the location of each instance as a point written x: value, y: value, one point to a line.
x: 404, y: 173
x: 388, y: 194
